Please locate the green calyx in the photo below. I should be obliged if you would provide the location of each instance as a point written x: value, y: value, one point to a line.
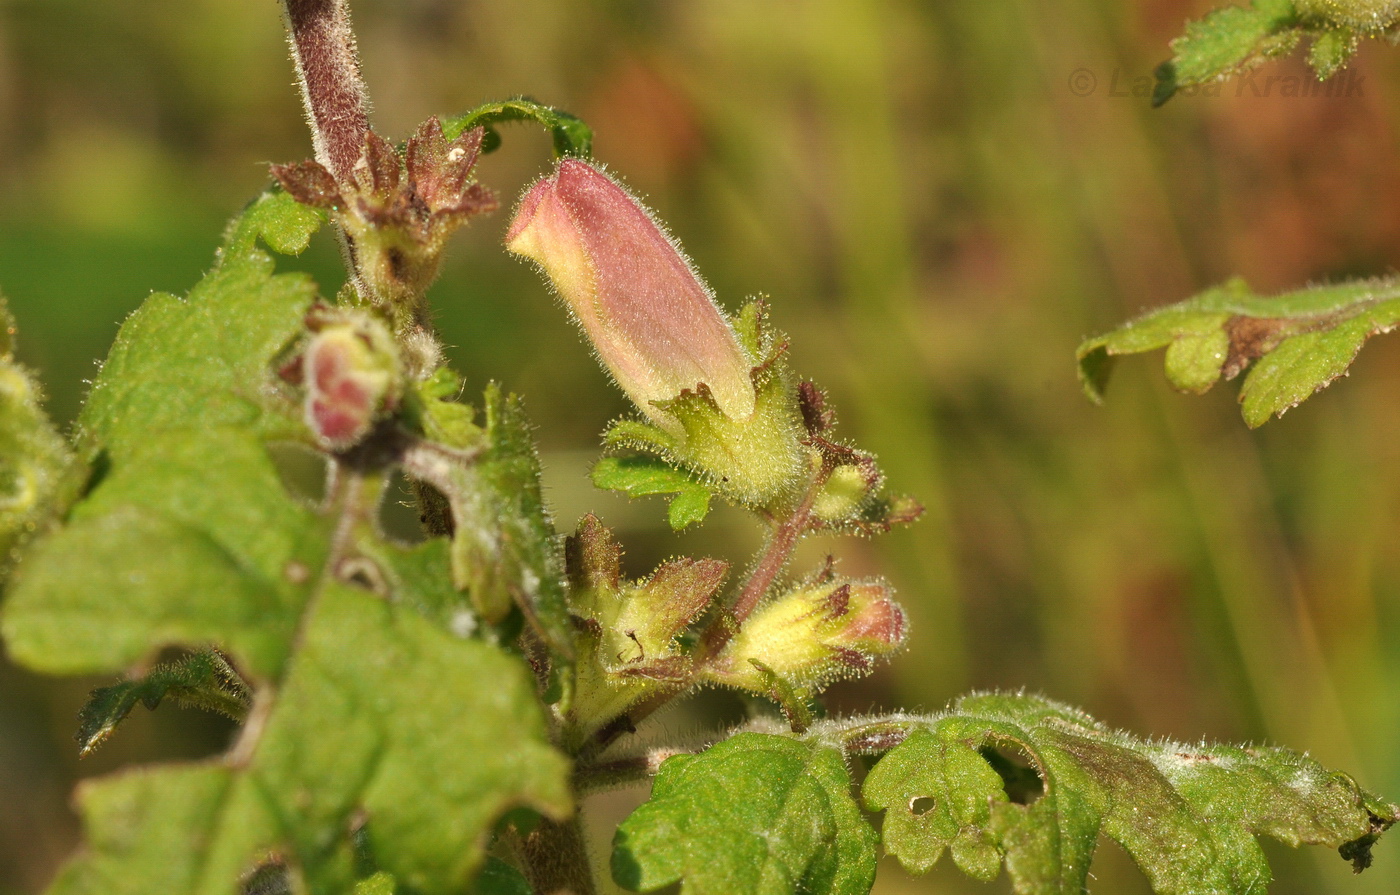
x: 628, y: 631
x: 758, y: 462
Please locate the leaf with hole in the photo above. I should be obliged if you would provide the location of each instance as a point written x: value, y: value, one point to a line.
x: 1188, y: 815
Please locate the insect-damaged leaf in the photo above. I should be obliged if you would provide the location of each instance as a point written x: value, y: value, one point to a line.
x: 1188, y: 815
x: 1293, y: 344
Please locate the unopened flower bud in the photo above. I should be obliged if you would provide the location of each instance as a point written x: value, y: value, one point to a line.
x: 846, y: 490
x: 812, y: 636
x: 350, y: 369
x: 629, y: 629
x: 652, y: 321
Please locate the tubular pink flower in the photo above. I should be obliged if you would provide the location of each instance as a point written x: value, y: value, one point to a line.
x: 651, y: 319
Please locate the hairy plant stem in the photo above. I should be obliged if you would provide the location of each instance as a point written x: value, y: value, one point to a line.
x: 620, y: 772
x: 869, y: 735
x: 336, y: 100
x: 770, y: 565
x: 555, y: 857
x: 328, y: 69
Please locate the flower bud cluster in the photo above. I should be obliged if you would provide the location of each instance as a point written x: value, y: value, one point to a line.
x: 397, y: 212
x: 629, y: 630
x: 632, y: 638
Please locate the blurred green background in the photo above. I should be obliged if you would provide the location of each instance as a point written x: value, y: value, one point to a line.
x: 938, y: 219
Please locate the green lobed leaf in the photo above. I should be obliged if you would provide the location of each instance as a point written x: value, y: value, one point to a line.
x: 201, y: 680
x: 639, y: 476
x: 1293, y: 344
x: 382, y: 713
x: 1188, y: 815
x: 204, y: 361
x: 571, y: 135
x: 757, y: 813
x: 504, y: 549
x: 500, y: 878
x: 369, y: 708
x: 1234, y: 39
x: 38, y: 474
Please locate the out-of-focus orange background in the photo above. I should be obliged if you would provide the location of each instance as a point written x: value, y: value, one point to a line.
x: 938, y: 216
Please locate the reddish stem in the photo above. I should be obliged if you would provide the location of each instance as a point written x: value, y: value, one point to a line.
x: 770, y: 565
x: 328, y: 67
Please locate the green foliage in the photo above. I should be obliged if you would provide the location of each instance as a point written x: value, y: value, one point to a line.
x: 1187, y: 815
x: 772, y: 814
x: 638, y: 476
x: 571, y: 135
x: 429, y: 754
x: 38, y: 476
x: 366, y: 711
x: 1236, y: 38
x: 504, y: 549
x: 757, y: 813
x: 1297, y: 343
x: 499, y: 878
x: 203, y: 680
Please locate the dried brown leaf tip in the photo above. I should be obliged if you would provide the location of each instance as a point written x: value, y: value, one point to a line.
x: 398, y: 210
x: 1253, y: 337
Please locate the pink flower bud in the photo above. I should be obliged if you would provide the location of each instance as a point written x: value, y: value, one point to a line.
x: 652, y: 321
x: 350, y: 371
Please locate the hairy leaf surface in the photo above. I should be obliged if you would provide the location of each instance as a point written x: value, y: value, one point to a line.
x: 201, y: 680
x: 1235, y: 39
x: 1188, y: 815
x: 759, y: 814
x: 571, y: 135
x: 38, y: 474
x: 641, y: 475
x: 369, y: 709
x: 1294, y: 345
